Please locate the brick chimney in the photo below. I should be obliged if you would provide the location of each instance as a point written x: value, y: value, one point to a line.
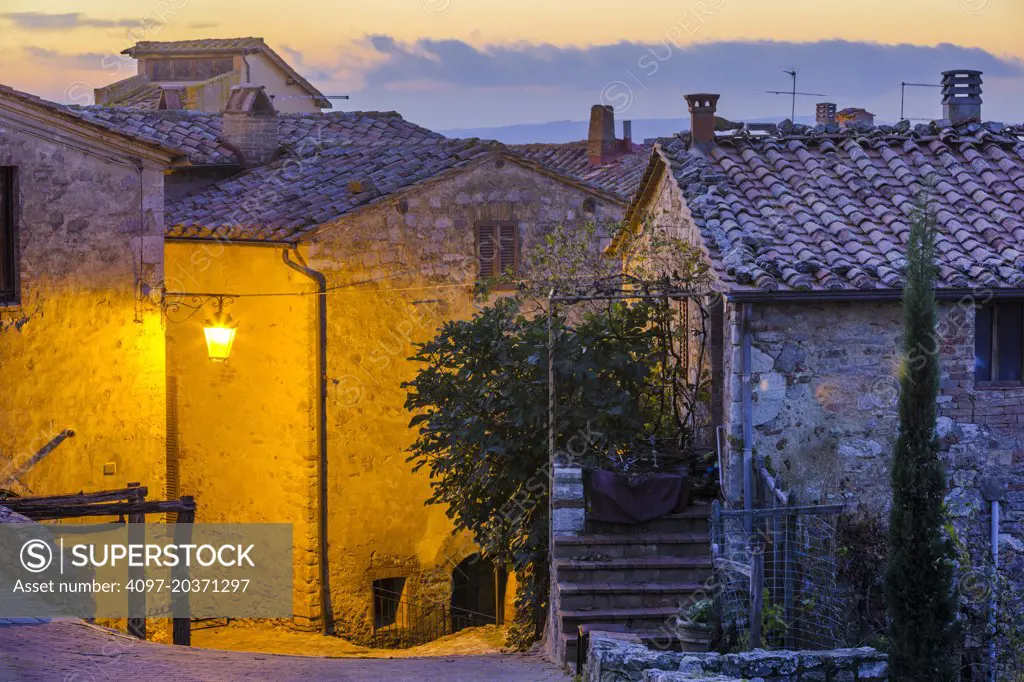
x: 601, y: 142
x: 250, y: 124
x: 825, y: 113
x: 702, y: 119
x: 961, y: 95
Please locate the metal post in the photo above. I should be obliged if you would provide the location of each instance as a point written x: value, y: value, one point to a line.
x: 756, y: 593
x: 993, y: 605
x: 748, y: 419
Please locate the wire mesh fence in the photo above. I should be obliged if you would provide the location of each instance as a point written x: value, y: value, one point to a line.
x: 775, y: 574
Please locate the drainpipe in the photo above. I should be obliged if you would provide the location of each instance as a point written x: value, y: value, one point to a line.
x: 327, y: 621
x: 748, y: 419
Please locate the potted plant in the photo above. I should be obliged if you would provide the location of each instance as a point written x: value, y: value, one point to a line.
x: 693, y: 625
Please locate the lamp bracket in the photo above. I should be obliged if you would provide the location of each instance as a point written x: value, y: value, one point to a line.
x: 182, y: 306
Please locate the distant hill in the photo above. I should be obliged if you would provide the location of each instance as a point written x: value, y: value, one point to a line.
x: 570, y: 131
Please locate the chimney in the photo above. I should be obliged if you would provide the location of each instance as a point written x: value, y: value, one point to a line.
x: 601, y: 137
x: 626, y: 143
x: 961, y: 95
x: 250, y: 124
x: 170, y: 100
x: 702, y: 119
x: 825, y: 113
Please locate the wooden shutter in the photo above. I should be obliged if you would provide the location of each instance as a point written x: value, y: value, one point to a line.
x: 508, y: 248
x: 485, y: 249
x: 173, y: 489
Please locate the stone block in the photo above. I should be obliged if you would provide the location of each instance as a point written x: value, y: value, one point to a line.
x: 568, y: 521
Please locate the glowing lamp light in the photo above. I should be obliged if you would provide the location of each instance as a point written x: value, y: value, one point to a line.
x: 220, y: 336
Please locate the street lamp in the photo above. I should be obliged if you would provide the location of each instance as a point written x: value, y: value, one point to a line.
x: 220, y: 333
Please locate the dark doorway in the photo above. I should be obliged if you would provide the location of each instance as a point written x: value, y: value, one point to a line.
x: 478, y: 588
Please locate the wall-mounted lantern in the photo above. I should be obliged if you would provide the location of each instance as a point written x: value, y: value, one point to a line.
x: 220, y: 333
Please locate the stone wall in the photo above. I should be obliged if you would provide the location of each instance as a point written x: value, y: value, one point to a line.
x: 84, y: 347
x: 402, y: 269
x: 826, y: 388
x: 614, y: 659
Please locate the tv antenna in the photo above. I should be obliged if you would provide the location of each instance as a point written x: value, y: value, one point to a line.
x: 903, y: 96
x: 793, y: 93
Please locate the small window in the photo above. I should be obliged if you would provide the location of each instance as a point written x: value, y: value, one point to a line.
x: 999, y: 344
x: 497, y: 249
x: 387, y: 601
x: 8, y: 235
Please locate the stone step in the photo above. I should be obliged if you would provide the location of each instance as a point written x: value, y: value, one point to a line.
x: 638, y: 545
x: 651, y: 618
x: 690, y: 569
x: 577, y: 596
x: 693, y: 519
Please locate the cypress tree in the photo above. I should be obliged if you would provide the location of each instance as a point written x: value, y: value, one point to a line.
x: 919, y: 574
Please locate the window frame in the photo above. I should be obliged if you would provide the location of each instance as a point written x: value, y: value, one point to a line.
x: 993, y: 350
x: 10, y: 290
x: 495, y: 234
x: 393, y: 616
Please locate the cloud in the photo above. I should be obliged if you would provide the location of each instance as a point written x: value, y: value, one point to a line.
x: 42, y: 21
x: 847, y: 68
x: 78, y: 60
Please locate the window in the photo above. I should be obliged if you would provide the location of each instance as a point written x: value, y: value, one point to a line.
x: 188, y: 68
x: 497, y: 249
x: 8, y: 233
x: 387, y: 601
x: 999, y: 344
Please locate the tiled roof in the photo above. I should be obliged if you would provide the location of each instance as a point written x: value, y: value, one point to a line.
x: 230, y: 46
x: 145, y: 99
x: 200, y: 45
x: 81, y: 116
x: 806, y: 209
x: 197, y: 134
x: 620, y: 177
x: 293, y: 196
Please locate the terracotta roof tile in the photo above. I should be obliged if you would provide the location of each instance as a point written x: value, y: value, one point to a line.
x: 145, y: 135
x: 188, y: 46
x: 288, y: 199
x: 814, y: 210
x: 198, y: 134
x: 620, y: 177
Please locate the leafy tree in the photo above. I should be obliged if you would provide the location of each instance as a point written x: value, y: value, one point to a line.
x: 919, y: 574
x: 481, y: 403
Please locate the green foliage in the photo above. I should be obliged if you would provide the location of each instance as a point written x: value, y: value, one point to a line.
x: 480, y: 401
x: 700, y: 612
x: 861, y: 553
x: 919, y: 574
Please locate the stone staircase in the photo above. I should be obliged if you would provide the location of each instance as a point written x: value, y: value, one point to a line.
x: 632, y: 575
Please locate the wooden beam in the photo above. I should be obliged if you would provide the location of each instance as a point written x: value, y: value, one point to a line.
x: 137, y: 597
x: 19, y: 503
x: 65, y: 511
x: 181, y: 628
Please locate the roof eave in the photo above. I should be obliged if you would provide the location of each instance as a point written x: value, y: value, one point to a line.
x: 880, y: 295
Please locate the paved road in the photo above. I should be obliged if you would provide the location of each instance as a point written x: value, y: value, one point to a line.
x: 73, y: 651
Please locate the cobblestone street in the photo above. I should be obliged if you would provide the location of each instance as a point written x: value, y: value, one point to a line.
x: 73, y: 651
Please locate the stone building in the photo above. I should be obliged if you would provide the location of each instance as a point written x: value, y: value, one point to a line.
x: 197, y: 75
x: 804, y: 229
x: 401, y: 228
x: 81, y: 331
x: 308, y: 412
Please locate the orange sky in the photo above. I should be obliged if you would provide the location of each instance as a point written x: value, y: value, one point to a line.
x: 47, y: 60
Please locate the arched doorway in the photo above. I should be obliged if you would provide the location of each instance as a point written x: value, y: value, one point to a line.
x: 478, y: 593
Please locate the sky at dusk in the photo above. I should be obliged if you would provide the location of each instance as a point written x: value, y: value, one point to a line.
x: 467, y: 63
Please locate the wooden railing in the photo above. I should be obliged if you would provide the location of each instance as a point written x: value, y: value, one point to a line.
x: 127, y: 503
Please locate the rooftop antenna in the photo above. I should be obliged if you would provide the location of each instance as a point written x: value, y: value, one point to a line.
x: 793, y: 93
x: 903, y: 96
